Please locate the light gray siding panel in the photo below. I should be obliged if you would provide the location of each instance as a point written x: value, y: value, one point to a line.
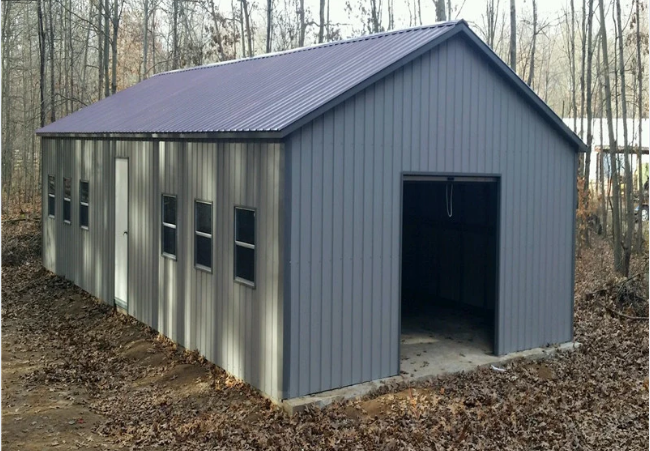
x: 446, y: 112
x: 237, y: 327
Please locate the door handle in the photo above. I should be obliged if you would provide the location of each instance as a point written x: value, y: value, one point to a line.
x: 125, y: 232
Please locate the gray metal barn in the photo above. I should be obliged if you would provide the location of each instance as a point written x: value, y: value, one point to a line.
x: 282, y: 213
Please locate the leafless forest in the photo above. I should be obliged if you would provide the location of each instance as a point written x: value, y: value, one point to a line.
x: 585, y: 59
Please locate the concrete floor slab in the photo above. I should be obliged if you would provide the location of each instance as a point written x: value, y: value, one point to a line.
x: 432, y: 347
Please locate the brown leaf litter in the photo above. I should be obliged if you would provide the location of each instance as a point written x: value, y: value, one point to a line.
x: 77, y: 375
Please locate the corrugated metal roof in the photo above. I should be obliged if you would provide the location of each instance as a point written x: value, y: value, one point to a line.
x: 260, y: 94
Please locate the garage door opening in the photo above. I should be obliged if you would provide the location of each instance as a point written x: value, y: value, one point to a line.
x: 449, y: 270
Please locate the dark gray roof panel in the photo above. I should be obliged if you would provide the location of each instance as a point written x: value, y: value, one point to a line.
x: 260, y: 94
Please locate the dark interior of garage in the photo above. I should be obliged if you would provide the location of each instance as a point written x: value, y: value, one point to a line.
x: 449, y: 260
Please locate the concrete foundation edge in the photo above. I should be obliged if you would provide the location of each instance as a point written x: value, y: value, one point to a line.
x: 320, y: 400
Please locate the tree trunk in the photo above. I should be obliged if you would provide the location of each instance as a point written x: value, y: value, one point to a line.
x: 175, y: 35
x: 374, y: 17
x: 582, y: 72
x: 321, y: 24
x: 41, y: 54
x: 116, y: 28
x: 491, y: 25
x: 145, y: 43
x: 7, y: 132
x: 639, y: 74
x: 100, y: 49
x: 217, y: 31
x: 269, y: 24
x: 531, y: 73
x: 84, y: 69
x: 52, y: 84
x: 303, y: 26
x: 616, y: 198
x: 574, y: 106
x: 629, y: 184
x: 441, y: 15
x: 107, y: 32
x: 71, y: 94
x: 249, y: 34
x: 603, y: 200
x: 513, y: 36
x: 590, y: 54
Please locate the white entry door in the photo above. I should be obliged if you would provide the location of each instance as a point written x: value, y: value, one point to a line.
x: 121, y: 232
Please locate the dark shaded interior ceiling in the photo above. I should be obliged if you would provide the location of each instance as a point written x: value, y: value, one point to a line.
x: 449, y: 235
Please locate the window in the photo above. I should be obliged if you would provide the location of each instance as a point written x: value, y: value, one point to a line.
x: 84, y: 198
x: 203, y: 235
x: 51, y: 200
x: 169, y: 226
x: 245, y: 245
x: 67, y: 199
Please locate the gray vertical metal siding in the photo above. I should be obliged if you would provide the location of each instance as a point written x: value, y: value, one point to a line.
x: 446, y: 112
x: 237, y: 327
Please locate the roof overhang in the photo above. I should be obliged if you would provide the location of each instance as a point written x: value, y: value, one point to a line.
x: 198, y: 136
x: 460, y: 29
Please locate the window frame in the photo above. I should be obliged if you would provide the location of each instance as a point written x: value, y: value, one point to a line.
x: 164, y: 224
x: 203, y: 234
x: 84, y: 204
x: 68, y: 200
x: 50, y: 214
x: 246, y: 282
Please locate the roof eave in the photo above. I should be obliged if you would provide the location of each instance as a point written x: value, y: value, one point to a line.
x: 235, y: 135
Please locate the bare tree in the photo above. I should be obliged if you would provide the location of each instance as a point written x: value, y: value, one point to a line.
x: 639, y: 75
x: 247, y: 21
x: 531, y: 73
x: 100, y: 48
x: 145, y: 39
x: 590, y: 54
x: 41, y: 53
x: 490, y: 19
x: 116, y: 28
x: 629, y: 206
x: 572, y: 53
x: 303, y: 25
x: 106, y: 58
x: 616, y: 196
x: 269, y: 24
x: 52, y: 74
x: 513, y: 35
x: 175, y: 46
x: 441, y: 15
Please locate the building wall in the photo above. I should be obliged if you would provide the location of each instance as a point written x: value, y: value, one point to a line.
x: 235, y: 326
x: 446, y: 112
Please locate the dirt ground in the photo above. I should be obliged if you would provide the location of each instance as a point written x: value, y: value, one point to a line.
x: 77, y: 375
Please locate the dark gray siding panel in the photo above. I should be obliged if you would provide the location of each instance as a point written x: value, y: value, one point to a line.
x: 446, y: 112
x: 237, y: 327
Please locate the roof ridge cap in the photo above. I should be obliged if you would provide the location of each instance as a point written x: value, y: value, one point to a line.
x: 451, y: 23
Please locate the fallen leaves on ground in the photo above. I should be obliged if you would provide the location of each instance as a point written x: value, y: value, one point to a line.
x: 146, y: 392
